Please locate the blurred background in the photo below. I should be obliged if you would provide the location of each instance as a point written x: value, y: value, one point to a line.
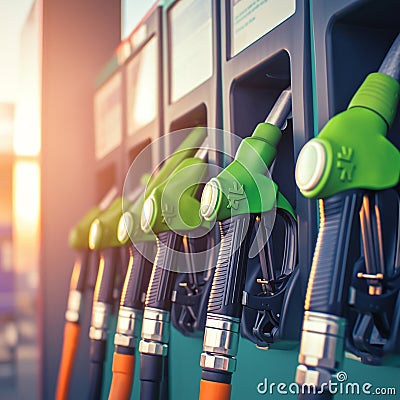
x: 50, y: 53
x: 65, y: 63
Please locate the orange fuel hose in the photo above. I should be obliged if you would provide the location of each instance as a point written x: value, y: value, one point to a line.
x: 71, y: 338
x: 123, y: 369
x: 214, y: 390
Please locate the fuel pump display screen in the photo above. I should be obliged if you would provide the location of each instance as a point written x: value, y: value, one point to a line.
x: 142, y: 87
x: 252, y: 19
x: 108, y: 116
x: 191, y: 46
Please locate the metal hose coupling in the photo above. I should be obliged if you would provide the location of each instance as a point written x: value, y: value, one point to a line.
x: 322, y: 348
x: 155, y: 332
x: 220, y: 344
x: 74, y: 306
x: 98, y: 326
x: 128, y: 327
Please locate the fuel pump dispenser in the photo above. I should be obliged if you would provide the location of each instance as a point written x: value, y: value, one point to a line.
x: 79, y: 284
x: 182, y: 229
x: 266, y: 48
x: 78, y: 241
x: 239, y: 198
x: 247, y: 267
x: 192, y: 69
x: 143, y: 88
x: 103, y: 237
x: 139, y: 270
x: 348, y: 167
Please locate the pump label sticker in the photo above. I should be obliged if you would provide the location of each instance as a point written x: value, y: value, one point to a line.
x: 108, y: 116
x: 252, y: 19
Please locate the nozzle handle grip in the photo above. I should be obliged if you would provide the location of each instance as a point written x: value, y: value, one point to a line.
x: 103, y: 292
x: 326, y: 291
x: 162, y: 279
x: 137, y: 277
x: 230, y: 272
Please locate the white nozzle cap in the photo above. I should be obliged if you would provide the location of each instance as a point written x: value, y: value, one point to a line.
x: 95, y: 234
x: 310, y: 165
x: 147, y: 214
x: 125, y: 226
x: 209, y: 199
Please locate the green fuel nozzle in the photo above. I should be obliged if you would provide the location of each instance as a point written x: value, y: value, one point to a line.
x: 346, y: 167
x: 104, y: 229
x: 78, y: 236
x: 243, y: 186
x: 238, y: 198
x: 186, y: 149
x: 103, y: 237
x: 172, y: 205
x: 130, y: 223
x: 78, y: 240
x: 352, y: 150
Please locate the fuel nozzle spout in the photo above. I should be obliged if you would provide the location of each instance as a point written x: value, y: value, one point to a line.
x: 258, y: 151
x: 282, y: 110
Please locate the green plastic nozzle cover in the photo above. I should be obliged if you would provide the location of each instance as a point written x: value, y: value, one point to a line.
x: 187, y: 148
x: 78, y: 236
x: 352, y: 150
x: 104, y: 229
x: 243, y: 186
x: 173, y: 205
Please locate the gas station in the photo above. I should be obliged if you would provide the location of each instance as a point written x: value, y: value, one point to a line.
x: 219, y: 200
